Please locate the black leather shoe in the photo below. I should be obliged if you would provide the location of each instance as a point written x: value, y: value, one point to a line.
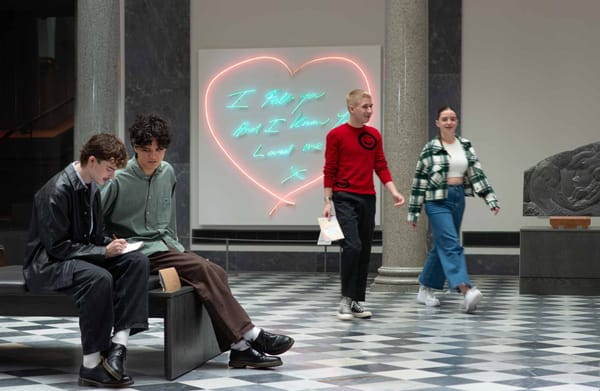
x: 99, y: 377
x: 272, y: 343
x: 252, y: 358
x: 114, y: 359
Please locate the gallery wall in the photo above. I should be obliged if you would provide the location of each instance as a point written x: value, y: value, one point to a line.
x: 530, y: 89
x: 245, y: 25
x: 529, y: 75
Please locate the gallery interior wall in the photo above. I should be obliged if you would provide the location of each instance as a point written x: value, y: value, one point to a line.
x: 528, y: 77
x: 530, y: 89
x: 529, y: 85
x: 274, y: 24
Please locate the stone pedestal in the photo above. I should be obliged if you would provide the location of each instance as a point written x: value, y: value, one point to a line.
x: 559, y: 261
x: 396, y: 279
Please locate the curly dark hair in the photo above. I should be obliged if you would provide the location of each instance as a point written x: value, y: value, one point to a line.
x: 147, y: 127
x: 104, y: 146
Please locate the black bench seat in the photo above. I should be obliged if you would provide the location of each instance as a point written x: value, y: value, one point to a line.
x: 189, y: 339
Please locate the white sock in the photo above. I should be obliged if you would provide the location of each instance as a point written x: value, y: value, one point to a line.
x: 121, y: 337
x: 252, y: 334
x: 242, y: 344
x: 91, y: 360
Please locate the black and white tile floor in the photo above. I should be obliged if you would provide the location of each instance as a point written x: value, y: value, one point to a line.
x: 513, y: 342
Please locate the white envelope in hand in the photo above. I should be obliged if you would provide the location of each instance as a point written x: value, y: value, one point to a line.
x: 330, y: 228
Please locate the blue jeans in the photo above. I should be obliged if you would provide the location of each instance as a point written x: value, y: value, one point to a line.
x: 446, y: 259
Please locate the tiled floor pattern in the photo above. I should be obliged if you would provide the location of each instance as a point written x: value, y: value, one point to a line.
x: 514, y: 342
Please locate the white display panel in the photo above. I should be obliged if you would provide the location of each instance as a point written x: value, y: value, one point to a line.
x: 263, y: 118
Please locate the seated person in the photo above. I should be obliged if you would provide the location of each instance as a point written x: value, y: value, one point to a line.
x: 139, y: 204
x: 68, y: 252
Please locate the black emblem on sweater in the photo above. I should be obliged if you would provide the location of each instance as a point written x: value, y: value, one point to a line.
x: 367, y: 141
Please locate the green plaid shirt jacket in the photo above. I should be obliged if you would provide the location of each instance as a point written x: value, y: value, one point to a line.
x: 430, y: 181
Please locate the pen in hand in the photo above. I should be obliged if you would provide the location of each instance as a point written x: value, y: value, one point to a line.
x: 117, y: 246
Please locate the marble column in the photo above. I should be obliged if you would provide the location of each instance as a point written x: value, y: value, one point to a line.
x: 404, y: 133
x: 98, y: 69
x: 445, y: 58
x: 157, y: 80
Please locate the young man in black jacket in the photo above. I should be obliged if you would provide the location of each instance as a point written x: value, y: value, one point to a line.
x: 68, y: 252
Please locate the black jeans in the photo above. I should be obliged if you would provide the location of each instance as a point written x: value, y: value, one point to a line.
x: 110, y: 294
x: 356, y: 215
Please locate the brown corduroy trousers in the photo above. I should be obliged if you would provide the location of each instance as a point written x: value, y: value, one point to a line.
x: 230, y: 321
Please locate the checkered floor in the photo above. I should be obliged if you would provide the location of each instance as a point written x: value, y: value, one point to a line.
x: 514, y: 342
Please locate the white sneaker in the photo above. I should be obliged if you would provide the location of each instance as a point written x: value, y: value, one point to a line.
x: 358, y: 311
x: 472, y: 298
x: 425, y: 296
x: 344, y: 311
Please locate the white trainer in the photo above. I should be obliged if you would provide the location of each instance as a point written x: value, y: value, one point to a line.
x: 425, y: 296
x: 344, y: 311
x: 472, y: 298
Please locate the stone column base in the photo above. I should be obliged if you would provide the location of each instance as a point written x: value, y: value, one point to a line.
x: 396, y: 279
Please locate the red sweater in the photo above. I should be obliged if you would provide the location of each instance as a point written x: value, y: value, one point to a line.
x: 351, y: 156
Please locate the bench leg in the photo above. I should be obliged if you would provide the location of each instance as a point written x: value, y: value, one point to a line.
x: 189, y: 336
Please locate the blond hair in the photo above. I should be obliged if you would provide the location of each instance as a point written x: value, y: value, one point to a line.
x: 354, y: 97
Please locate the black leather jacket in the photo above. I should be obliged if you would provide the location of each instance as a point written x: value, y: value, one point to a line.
x: 59, y: 232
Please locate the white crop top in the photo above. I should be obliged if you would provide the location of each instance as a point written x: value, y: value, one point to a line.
x: 457, y: 159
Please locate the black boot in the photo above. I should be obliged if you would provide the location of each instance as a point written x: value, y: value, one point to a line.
x: 99, y: 377
x: 252, y: 358
x: 272, y: 343
x: 114, y: 359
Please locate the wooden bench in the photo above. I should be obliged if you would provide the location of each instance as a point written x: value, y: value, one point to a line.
x: 189, y: 339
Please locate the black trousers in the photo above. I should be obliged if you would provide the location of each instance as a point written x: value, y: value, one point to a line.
x: 112, y: 294
x: 356, y: 215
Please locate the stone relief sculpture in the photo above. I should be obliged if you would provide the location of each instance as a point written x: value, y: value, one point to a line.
x: 565, y: 184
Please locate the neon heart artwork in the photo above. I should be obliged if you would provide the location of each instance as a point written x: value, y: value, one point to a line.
x: 270, y: 120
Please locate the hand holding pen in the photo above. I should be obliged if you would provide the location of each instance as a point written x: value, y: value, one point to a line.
x: 115, y: 247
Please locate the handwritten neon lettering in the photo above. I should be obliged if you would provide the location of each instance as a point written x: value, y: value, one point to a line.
x: 273, y: 153
x: 281, y: 107
x: 343, y: 117
x: 240, y: 95
x: 296, y: 173
x: 257, y: 153
x: 284, y: 152
x: 302, y: 121
x: 277, y: 98
x: 307, y: 97
x: 273, y: 125
x: 246, y: 128
x: 312, y: 147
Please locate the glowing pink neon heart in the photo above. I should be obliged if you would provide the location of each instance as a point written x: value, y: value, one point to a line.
x: 207, y: 113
